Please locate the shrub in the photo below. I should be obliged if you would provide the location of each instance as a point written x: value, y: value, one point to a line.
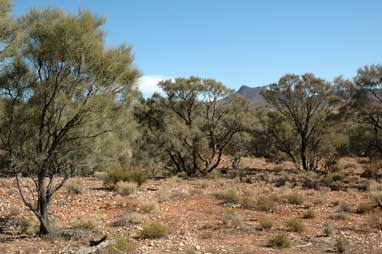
x: 340, y: 245
x: 337, y: 216
x: 278, y: 241
x: 248, y: 202
x: 127, y: 219
x: 117, y: 175
x: 84, y: 223
x: 328, y: 229
x: 375, y: 187
x: 295, y: 198
x: 74, y: 187
x: 265, y: 203
x: 364, y: 208
x: 344, y: 207
x: 126, y: 188
x: 309, y: 214
x: 102, y: 175
x: 229, y: 195
x: 151, y: 206
x: 231, y: 218
x: 153, y: 230
x: 121, y: 245
x: 163, y: 196
x: 372, y: 172
x: 294, y: 225
x: 375, y: 221
x: 376, y: 198
x: 265, y: 223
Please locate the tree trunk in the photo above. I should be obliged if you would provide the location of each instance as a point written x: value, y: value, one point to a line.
x: 43, y: 203
x: 44, y: 223
x: 303, y: 154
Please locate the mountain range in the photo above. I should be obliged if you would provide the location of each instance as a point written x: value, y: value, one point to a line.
x: 253, y: 95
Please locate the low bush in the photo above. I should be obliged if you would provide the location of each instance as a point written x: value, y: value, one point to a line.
x: 84, y: 223
x: 337, y: 216
x: 295, y: 198
x: 126, y: 188
x: 279, y: 241
x: 375, y: 221
x: 230, y: 195
x: 328, y: 229
x: 265, y: 223
x: 153, y: 230
x: 309, y: 214
x: 121, y: 245
x: 151, y: 206
x: 364, y: 208
x: 376, y: 198
x: 116, y: 175
x: 127, y: 219
x: 74, y: 187
x: 231, y: 218
x: 344, y: 207
x: 294, y: 225
x: 340, y: 245
x: 265, y: 203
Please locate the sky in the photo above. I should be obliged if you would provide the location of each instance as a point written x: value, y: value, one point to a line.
x: 238, y: 42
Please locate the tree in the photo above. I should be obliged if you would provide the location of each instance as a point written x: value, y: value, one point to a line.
x: 192, y: 125
x: 303, y: 104
x: 60, y: 84
x: 366, y: 106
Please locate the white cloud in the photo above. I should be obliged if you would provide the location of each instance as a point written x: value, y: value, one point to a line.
x: 149, y: 84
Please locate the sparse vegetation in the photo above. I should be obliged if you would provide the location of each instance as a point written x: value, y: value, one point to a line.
x: 153, y: 230
x: 328, y: 229
x: 230, y: 195
x: 309, y: 214
x: 231, y: 218
x: 279, y: 241
x: 265, y: 223
x: 265, y: 203
x: 295, y: 198
x: 340, y: 245
x: 151, y: 206
x: 74, y: 187
x: 127, y: 219
x: 126, y: 188
x: 294, y: 225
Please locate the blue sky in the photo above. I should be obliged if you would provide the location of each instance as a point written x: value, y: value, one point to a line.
x: 239, y: 42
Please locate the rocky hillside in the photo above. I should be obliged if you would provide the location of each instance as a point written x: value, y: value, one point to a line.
x: 253, y: 95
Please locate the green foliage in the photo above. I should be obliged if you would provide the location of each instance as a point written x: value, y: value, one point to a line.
x: 299, y: 128
x: 61, y: 88
x: 192, y: 125
x: 153, y: 230
x: 279, y: 241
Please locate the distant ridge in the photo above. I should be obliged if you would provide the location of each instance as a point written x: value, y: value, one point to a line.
x: 253, y: 95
